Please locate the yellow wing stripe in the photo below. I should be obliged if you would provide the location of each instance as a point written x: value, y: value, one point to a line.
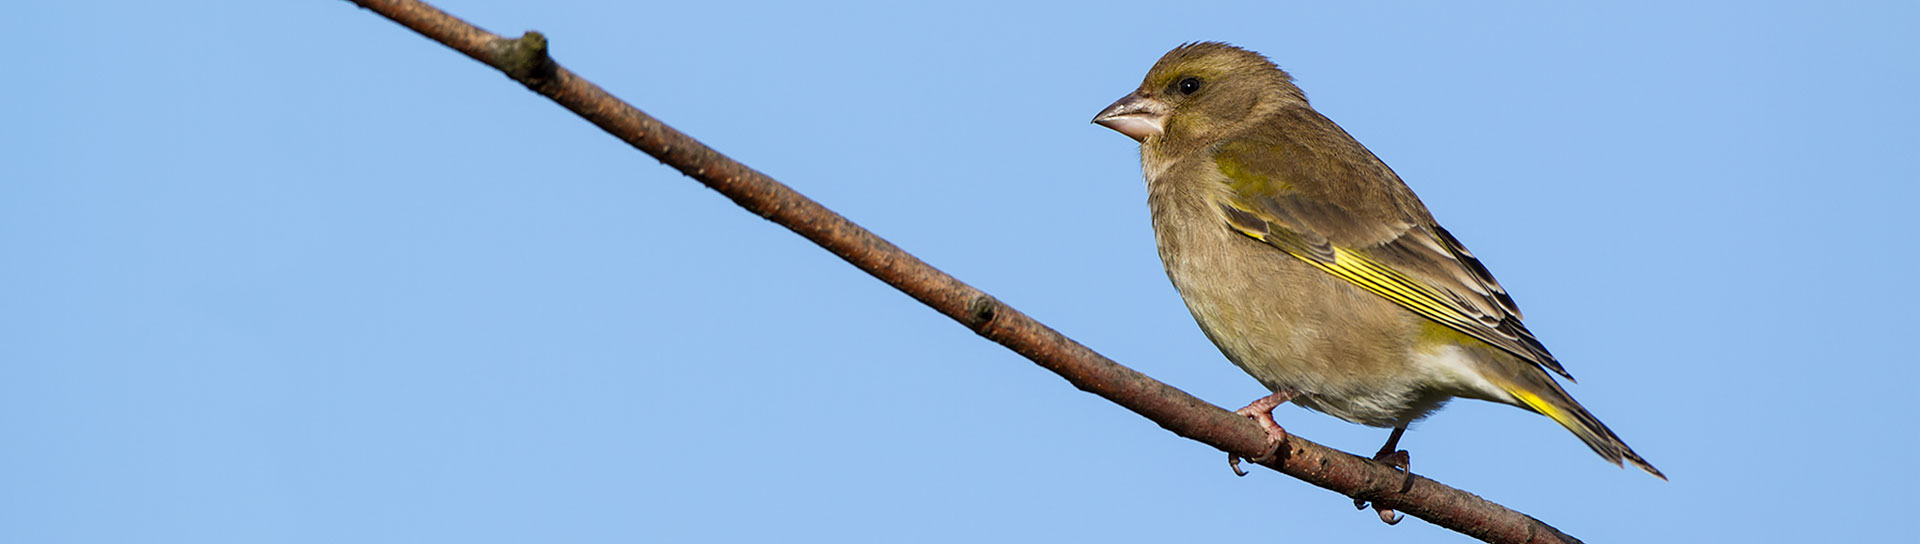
x: 1387, y: 282
x: 1372, y: 276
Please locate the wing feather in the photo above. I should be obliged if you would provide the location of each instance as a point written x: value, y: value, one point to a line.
x: 1400, y: 253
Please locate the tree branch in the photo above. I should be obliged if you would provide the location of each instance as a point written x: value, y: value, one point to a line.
x: 525, y: 60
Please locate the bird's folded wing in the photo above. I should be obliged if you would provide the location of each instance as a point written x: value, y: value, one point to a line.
x: 1395, y: 252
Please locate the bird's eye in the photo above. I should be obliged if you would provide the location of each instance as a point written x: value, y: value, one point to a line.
x: 1189, y: 85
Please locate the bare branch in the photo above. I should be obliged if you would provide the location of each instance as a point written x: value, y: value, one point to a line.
x: 525, y: 60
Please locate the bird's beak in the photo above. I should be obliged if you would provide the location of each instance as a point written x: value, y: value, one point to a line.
x: 1135, y: 115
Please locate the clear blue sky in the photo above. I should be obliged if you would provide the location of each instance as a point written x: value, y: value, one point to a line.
x: 287, y: 272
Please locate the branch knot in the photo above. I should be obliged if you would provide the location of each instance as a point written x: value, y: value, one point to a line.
x: 525, y: 58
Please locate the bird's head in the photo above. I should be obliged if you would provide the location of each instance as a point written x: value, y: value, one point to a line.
x: 1198, y: 92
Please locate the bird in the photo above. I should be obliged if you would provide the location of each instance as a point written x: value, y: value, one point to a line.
x: 1314, y: 268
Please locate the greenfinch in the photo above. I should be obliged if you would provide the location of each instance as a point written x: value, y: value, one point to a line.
x: 1314, y: 268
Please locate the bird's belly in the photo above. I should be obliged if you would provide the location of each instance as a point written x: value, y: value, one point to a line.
x: 1432, y: 377
x: 1344, y: 351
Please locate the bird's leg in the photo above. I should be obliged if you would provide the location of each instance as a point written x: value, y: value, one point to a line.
x: 1396, y: 458
x: 1261, y: 411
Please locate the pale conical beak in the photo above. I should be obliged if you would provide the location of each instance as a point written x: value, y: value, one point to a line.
x: 1135, y: 116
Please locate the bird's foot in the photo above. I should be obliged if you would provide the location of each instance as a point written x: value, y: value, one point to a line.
x: 1261, y: 411
x: 1397, y: 459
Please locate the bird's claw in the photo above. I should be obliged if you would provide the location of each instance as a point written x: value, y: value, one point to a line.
x: 1233, y: 461
x: 1261, y: 411
x: 1387, y: 515
x: 1398, y: 460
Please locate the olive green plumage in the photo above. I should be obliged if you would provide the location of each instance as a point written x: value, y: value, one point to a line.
x: 1313, y: 267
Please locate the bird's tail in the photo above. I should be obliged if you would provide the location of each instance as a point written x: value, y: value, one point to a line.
x: 1545, y: 396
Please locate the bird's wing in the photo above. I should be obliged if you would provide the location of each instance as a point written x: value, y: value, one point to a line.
x: 1390, y: 247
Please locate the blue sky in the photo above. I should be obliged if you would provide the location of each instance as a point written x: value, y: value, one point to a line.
x: 286, y: 272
